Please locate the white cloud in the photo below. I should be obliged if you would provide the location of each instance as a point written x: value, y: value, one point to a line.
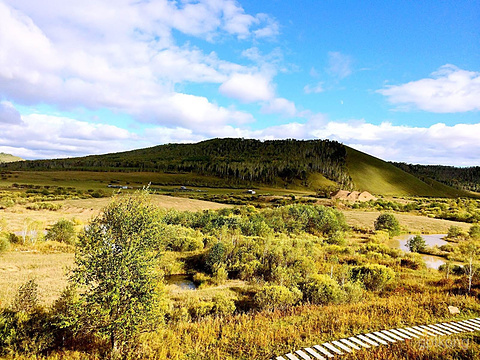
x: 248, y: 87
x: 315, y: 89
x: 449, y: 90
x: 122, y: 56
x: 43, y: 136
x: 339, y: 65
x: 280, y: 106
x: 8, y: 114
x: 195, y: 112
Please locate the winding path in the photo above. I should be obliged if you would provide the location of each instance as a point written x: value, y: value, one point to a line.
x: 340, y: 347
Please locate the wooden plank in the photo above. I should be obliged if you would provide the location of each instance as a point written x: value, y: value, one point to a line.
x: 323, y: 351
x: 471, y: 323
x: 376, y: 339
x: 280, y: 358
x: 392, y: 335
x: 464, y: 328
x: 349, y: 343
x: 291, y: 356
x: 303, y: 355
x: 477, y: 320
x: 405, y: 335
x: 419, y: 333
x: 342, y: 346
x: 384, y: 337
x: 332, y: 348
x: 474, y: 326
x: 460, y: 323
x: 367, y: 340
x: 439, y: 328
x: 447, y: 328
x: 429, y: 333
x: 315, y: 354
x: 359, y: 342
x: 435, y: 332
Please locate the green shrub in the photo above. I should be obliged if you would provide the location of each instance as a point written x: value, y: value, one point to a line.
x: 374, y: 276
x: 321, y: 289
x: 215, y: 255
x: 474, y: 232
x: 455, y: 232
x: 14, y: 239
x: 4, y: 243
x: 223, y: 306
x: 354, y: 291
x: 62, y: 231
x: 271, y: 297
x: 388, y: 222
x: 416, y: 244
x: 26, y: 299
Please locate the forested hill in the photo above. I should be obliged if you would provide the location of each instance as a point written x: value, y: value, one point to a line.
x: 460, y: 178
x: 242, y: 160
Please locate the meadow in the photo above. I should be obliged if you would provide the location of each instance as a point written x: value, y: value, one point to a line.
x: 287, y: 271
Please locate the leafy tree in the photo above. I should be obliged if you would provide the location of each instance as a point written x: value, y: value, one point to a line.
x: 115, y: 266
x: 470, y: 250
x: 474, y: 232
x: 455, y: 232
x: 416, y: 244
x: 271, y: 297
x: 374, y: 276
x: 388, y: 222
x: 62, y: 231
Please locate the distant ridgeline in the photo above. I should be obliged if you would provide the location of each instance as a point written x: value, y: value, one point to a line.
x: 242, y: 160
x: 460, y: 178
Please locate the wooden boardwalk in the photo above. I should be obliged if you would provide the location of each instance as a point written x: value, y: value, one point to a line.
x: 340, y: 347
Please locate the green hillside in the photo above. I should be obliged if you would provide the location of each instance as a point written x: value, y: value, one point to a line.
x: 379, y: 177
x: 318, y: 165
x: 6, y: 158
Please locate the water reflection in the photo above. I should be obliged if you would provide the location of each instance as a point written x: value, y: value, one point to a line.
x: 432, y: 262
x: 182, y: 281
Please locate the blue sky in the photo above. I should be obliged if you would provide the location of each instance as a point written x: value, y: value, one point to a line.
x: 397, y: 79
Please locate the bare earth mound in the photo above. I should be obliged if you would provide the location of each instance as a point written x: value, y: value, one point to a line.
x: 353, y: 196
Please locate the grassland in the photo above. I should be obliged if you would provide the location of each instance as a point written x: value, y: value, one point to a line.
x: 49, y: 271
x: 417, y: 296
x: 379, y: 177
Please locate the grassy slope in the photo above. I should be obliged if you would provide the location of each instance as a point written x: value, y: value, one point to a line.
x: 8, y: 158
x: 381, y: 178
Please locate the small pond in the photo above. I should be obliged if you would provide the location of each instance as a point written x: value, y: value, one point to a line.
x: 432, y: 262
x: 182, y: 281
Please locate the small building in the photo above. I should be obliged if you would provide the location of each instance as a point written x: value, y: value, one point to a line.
x: 251, y: 192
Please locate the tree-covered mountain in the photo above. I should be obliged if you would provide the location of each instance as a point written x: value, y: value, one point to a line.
x: 235, y: 160
x: 460, y: 178
x: 321, y: 165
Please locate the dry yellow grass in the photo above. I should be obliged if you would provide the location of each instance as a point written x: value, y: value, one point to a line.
x: 413, y: 223
x: 85, y: 209
x: 49, y: 271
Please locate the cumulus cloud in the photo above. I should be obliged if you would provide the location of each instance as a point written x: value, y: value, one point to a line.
x: 123, y: 57
x: 248, y: 87
x: 280, y: 106
x: 448, y: 90
x: 44, y: 136
x: 8, y: 114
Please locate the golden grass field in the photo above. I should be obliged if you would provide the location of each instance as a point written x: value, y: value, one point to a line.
x: 83, y: 210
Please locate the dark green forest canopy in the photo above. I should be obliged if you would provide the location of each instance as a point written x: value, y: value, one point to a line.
x: 243, y: 160
x: 461, y: 178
